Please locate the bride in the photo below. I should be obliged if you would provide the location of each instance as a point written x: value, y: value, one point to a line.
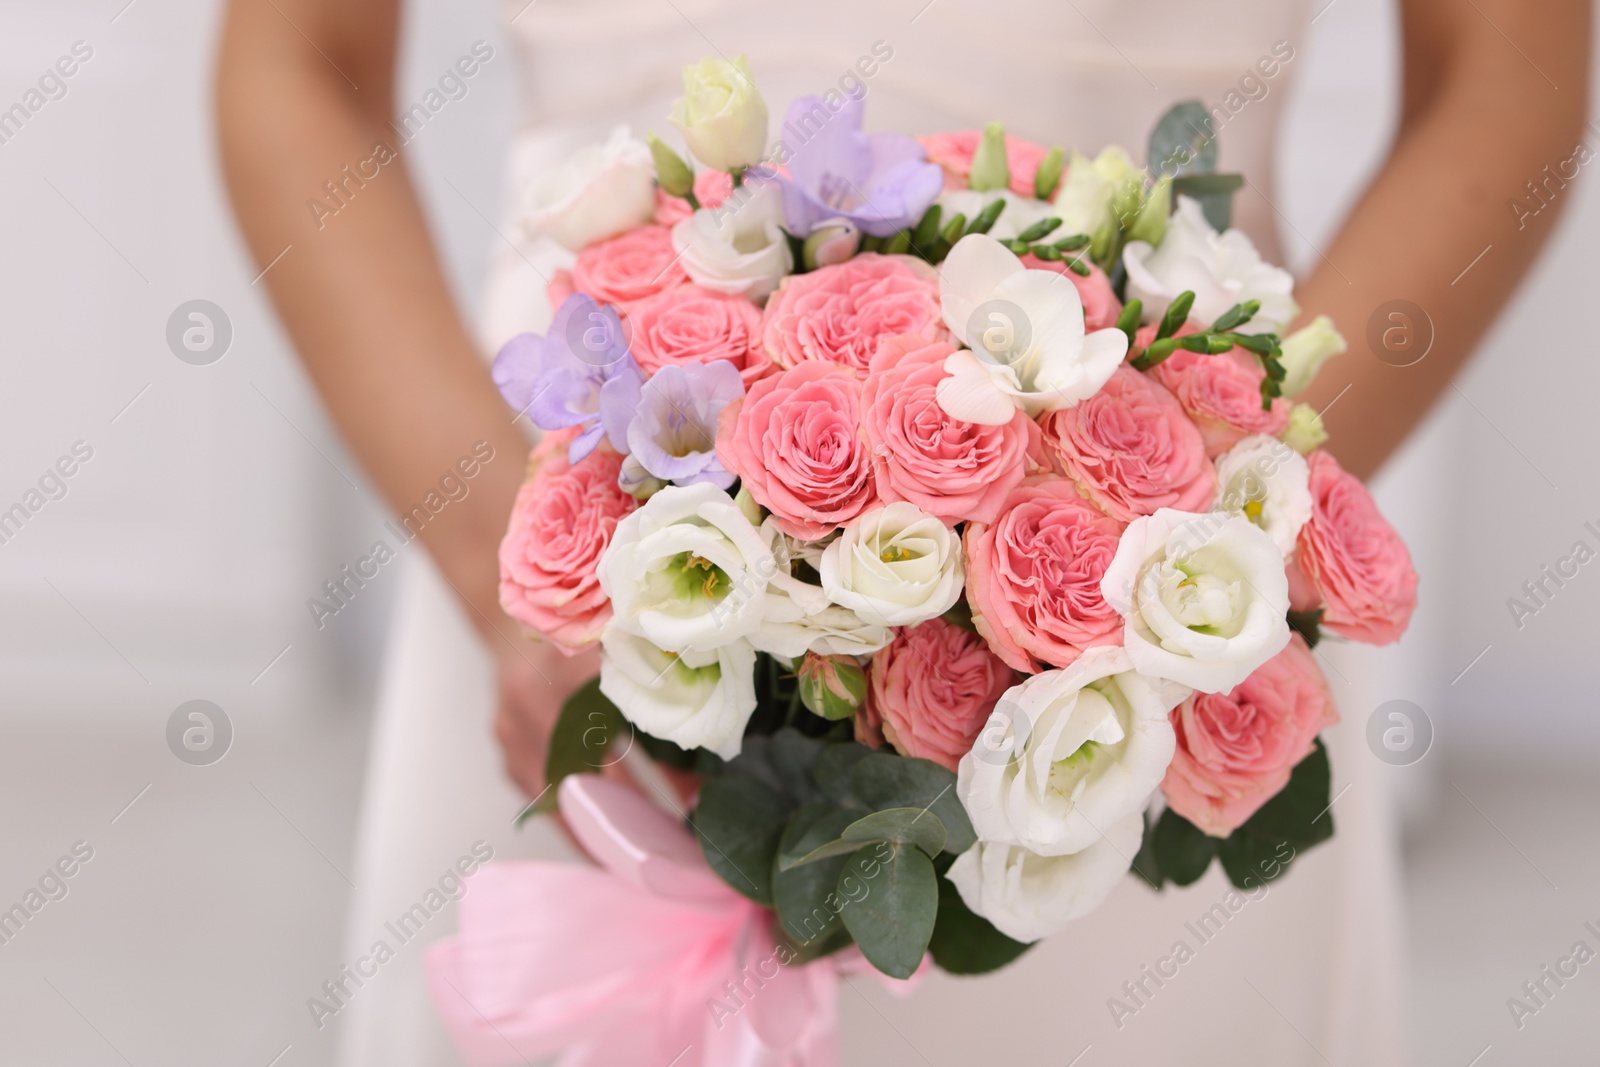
x: 1308, y: 970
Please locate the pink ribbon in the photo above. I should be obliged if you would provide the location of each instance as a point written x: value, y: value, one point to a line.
x: 649, y: 958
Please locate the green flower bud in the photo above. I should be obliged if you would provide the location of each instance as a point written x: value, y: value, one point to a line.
x: 747, y: 505
x: 832, y: 686
x: 989, y: 167
x: 1048, y: 176
x: 1306, y: 350
x: 1305, y: 432
x: 672, y: 173
x: 1150, y: 224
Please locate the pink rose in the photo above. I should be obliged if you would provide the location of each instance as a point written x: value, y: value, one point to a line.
x: 933, y: 687
x: 560, y: 525
x: 1236, y: 749
x: 1221, y: 393
x: 711, y: 188
x: 559, y: 288
x: 949, y: 468
x: 954, y: 151
x: 840, y: 314
x: 1033, y: 576
x: 1100, y: 304
x: 1131, y: 449
x: 623, y: 270
x: 689, y: 324
x: 795, y: 442
x: 1354, y: 559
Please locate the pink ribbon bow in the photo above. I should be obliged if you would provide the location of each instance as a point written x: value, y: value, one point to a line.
x: 648, y: 959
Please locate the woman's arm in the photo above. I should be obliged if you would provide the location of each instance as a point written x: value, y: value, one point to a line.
x: 1494, y: 91
x: 304, y: 91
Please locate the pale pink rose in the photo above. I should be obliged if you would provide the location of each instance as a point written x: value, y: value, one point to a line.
x: 954, y: 151
x: 1131, y: 449
x: 840, y: 314
x: 559, y: 288
x: 1354, y: 559
x: 1221, y: 393
x: 933, y: 687
x: 627, y: 268
x: 560, y: 525
x: 711, y: 188
x: 955, y: 470
x: 1236, y: 750
x: 795, y: 442
x: 690, y: 324
x: 1100, y: 304
x: 1033, y: 576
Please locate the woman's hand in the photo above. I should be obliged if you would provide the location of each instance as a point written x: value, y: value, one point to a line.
x: 534, y: 681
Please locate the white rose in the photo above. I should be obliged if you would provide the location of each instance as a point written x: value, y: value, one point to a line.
x: 1222, y: 269
x: 694, y: 700
x: 599, y: 192
x: 1069, y: 753
x: 1269, y: 483
x: 721, y: 115
x: 799, y: 616
x: 687, y: 570
x: 1204, y: 597
x: 894, y: 566
x: 1025, y: 331
x: 1028, y: 896
x: 739, y: 246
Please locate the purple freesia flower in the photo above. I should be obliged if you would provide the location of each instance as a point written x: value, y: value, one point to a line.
x: 882, y: 182
x: 570, y: 375
x: 673, y: 431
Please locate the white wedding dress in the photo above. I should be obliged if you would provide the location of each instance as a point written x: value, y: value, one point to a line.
x: 1309, y: 973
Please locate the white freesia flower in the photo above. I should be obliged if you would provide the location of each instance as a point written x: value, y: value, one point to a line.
x: 1019, y: 213
x: 694, y: 700
x: 721, y: 115
x: 1222, y: 269
x: 894, y: 566
x: 687, y: 570
x: 1027, y: 896
x: 1069, y: 753
x: 1269, y: 483
x: 799, y: 616
x: 598, y: 192
x: 739, y: 246
x: 1025, y: 331
x: 1204, y: 597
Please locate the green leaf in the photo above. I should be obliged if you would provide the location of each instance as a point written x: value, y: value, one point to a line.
x: 1182, y: 850
x: 1203, y: 185
x: 669, y: 754
x: 964, y: 942
x: 808, y: 906
x: 832, y: 770
x: 818, y: 836
x: 960, y: 614
x: 1299, y: 814
x: 589, y: 722
x: 1145, y: 862
x: 884, y: 781
x: 739, y: 822
x: 905, y: 826
x: 1308, y: 624
x: 1251, y: 861
x: 793, y: 754
x: 1183, y: 141
x: 1218, y: 210
x: 894, y: 920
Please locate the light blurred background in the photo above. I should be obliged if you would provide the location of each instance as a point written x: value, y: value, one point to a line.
x: 217, y: 499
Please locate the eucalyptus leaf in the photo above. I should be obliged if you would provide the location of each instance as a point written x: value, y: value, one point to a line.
x: 883, y: 781
x: 907, y: 826
x: 1183, y: 141
x: 1200, y: 185
x: 582, y: 738
x: 792, y: 755
x: 809, y: 905
x: 815, y: 833
x: 739, y: 823
x: 964, y: 942
x: 894, y: 920
x: 833, y: 767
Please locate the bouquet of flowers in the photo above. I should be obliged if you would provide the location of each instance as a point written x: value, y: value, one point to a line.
x: 943, y: 503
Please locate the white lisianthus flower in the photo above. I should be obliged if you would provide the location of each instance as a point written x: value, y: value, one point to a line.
x: 894, y: 566
x: 1084, y: 200
x: 694, y: 700
x: 1306, y: 433
x: 1025, y: 331
x: 687, y: 571
x: 799, y: 616
x: 1019, y: 213
x: 1027, y: 896
x: 597, y: 193
x: 1306, y: 350
x: 739, y: 246
x: 1269, y: 483
x: 1222, y: 269
x: 1204, y: 596
x: 1069, y: 753
x: 721, y: 114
